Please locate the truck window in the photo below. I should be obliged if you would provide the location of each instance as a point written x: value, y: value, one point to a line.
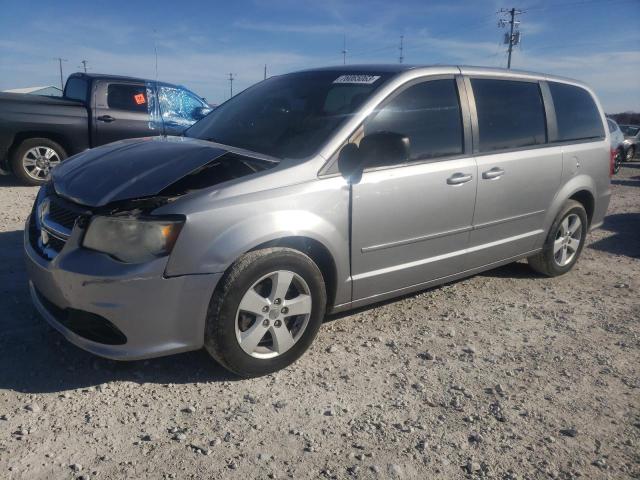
x: 127, y: 97
x: 178, y: 105
x: 76, y: 89
x: 510, y: 114
x: 428, y: 113
x: 576, y: 113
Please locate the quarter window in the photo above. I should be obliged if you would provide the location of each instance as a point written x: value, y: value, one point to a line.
x: 577, y: 115
x: 428, y: 114
x: 127, y: 97
x: 510, y: 114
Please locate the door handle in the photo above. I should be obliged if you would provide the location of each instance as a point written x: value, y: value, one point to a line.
x: 459, y: 178
x: 495, y: 172
x: 106, y: 118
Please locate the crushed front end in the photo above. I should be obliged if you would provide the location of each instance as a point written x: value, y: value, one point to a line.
x: 112, y: 308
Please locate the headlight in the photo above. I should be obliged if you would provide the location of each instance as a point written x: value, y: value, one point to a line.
x: 133, y: 239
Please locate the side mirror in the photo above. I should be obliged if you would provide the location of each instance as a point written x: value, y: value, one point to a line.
x: 200, y: 112
x: 385, y: 148
x: 350, y: 162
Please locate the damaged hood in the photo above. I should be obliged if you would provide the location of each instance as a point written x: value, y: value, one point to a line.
x: 130, y: 169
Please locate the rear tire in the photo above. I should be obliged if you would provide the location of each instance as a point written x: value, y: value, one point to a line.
x: 617, y: 161
x: 251, y: 285
x: 564, y: 242
x: 32, y: 161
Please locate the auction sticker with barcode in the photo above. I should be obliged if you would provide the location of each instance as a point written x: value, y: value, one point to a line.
x: 363, y: 79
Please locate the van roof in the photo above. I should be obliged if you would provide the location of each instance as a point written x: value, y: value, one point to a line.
x: 468, y: 69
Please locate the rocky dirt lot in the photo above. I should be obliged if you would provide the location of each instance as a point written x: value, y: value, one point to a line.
x: 503, y: 375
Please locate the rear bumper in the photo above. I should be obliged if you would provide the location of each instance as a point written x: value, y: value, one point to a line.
x: 157, y: 315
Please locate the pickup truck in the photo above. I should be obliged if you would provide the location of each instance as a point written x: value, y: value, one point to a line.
x: 38, y: 132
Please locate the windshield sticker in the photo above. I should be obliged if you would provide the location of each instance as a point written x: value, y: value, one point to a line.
x: 361, y: 79
x: 139, y: 98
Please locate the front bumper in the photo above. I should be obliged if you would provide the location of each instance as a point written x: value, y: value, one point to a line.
x: 157, y: 315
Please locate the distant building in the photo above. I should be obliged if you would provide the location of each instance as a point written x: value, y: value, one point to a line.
x: 49, y: 90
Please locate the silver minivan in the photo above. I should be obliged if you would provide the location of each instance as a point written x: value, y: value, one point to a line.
x: 311, y: 193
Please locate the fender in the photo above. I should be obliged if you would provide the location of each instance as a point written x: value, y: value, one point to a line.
x: 269, y: 227
x: 575, y: 184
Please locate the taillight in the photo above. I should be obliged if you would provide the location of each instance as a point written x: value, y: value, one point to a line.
x: 612, y: 162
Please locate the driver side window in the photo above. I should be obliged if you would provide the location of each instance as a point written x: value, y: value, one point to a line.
x: 428, y: 114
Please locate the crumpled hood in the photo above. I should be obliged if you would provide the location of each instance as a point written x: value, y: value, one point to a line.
x: 129, y: 169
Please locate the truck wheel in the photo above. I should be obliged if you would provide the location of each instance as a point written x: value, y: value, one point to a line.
x: 33, y: 160
x: 266, y: 311
x: 564, y: 243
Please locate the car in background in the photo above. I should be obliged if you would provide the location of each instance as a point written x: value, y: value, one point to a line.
x: 38, y: 132
x: 631, y: 140
x: 617, y: 144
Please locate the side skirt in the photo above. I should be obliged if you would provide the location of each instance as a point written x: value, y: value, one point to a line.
x: 424, y: 285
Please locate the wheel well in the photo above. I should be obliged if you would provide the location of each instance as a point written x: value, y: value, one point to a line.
x: 318, y: 253
x: 586, y: 199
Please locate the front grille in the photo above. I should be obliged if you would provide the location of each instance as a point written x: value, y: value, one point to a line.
x: 63, y: 213
x: 58, y: 223
x: 55, y: 244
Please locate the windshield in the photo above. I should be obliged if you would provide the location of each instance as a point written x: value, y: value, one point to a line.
x: 629, y: 131
x: 289, y: 116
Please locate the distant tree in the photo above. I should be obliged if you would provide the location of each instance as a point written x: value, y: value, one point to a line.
x: 626, y: 118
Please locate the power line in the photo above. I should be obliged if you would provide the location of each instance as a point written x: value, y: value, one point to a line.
x: 555, y: 6
x: 401, y: 58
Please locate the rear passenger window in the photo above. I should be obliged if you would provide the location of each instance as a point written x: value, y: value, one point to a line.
x: 127, y: 97
x: 577, y: 115
x: 510, y: 114
x: 428, y: 113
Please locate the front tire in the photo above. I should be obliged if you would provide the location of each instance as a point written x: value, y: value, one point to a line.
x: 564, y: 242
x: 265, y: 312
x: 33, y: 160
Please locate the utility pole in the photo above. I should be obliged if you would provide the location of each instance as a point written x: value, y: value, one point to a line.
x: 231, y: 79
x: 60, y: 60
x: 513, y: 37
x: 401, y: 58
x: 344, y: 49
x: 84, y: 65
x: 265, y: 71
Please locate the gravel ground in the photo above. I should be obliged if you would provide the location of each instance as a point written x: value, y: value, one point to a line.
x: 503, y: 375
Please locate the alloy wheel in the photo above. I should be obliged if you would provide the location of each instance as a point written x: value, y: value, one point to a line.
x: 38, y: 162
x: 617, y: 162
x: 273, y: 314
x: 567, y: 242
